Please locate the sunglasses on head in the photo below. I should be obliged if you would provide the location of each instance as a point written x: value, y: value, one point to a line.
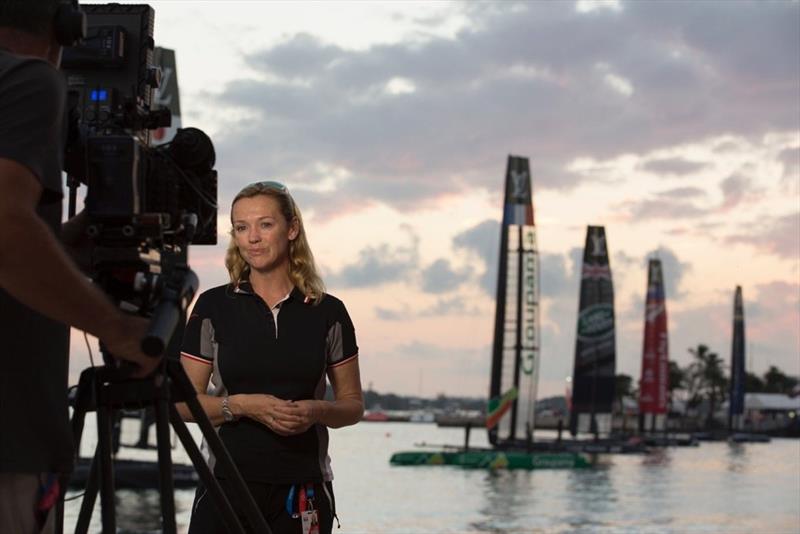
x: 273, y: 185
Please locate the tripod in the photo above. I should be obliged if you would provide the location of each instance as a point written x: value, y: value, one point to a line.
x: 100, y: 389
x: 106, y: 389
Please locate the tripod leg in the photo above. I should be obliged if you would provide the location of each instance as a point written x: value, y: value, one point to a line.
x: 84, y: 401
x: 89, y: 496
x: 165, y: 467
x: 208, y: 479
x: 186, y: 392
x: 106, y: 465
x: 59, y: 511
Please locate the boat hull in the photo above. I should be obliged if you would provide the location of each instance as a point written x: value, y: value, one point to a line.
x: 492, y: 459
x: 136, y: 474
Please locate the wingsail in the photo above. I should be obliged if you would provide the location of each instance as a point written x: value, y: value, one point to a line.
x: 515, y: 355
x: 595, y: 346
x: 167, y: 95
x: 736, y: 405
x: 654, y: 383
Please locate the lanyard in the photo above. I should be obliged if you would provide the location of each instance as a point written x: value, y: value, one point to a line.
x: 305, y: 499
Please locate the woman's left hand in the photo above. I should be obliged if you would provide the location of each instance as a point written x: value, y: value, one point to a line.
x: 299, y: 416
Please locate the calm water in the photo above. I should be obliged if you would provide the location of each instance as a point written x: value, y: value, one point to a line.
x: 712, y: 488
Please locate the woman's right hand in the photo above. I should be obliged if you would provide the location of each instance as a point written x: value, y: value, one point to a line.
x: 261, y: 407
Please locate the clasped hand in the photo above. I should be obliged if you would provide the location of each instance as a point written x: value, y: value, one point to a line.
x: 284, y: 417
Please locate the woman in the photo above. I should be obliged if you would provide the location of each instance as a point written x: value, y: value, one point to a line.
x: 266, y: 342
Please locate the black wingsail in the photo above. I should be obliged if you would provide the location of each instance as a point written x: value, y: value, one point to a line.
x: 595, y: 346
x: 736, y: 406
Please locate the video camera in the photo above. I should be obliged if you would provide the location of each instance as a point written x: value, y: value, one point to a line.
x: 144, y: 204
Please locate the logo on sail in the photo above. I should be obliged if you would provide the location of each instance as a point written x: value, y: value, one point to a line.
x: 654, y: 310
x: 598, y: 243
x: 519, y: 185
x: 596, y: 322
x: 596, y: 272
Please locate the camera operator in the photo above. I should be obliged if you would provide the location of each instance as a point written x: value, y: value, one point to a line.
x: 41, y: 288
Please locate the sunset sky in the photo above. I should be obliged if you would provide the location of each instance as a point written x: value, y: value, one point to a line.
x: 676, y: 125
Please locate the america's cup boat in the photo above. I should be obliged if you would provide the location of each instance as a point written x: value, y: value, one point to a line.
x: 515, y: 355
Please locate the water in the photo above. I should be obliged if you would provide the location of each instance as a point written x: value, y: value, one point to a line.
x: 716, y: 487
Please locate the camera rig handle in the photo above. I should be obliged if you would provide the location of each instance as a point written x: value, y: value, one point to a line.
x: 177, y: 293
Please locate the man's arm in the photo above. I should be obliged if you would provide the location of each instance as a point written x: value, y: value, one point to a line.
x: 35, y: 270
x: 75, y: 241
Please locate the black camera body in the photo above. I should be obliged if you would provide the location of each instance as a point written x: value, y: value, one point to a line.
x: 136, y: 193
x: 144, y: 205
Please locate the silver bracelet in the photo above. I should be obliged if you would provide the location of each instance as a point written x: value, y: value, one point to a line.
x: 227, y: 414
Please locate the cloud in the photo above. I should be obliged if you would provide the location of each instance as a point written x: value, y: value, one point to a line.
x: 790, y: 158
x: 673, y: 166
x: 452, y: 306
x: 380, y: 264
x: 302, y: 57
x: 444, y: 306
x: 778, y: 235
x: 737, y: 189
x: 483, y: 241
x: 389, y: 314
x: 683, y: 193
x: 622, y: 259
x: 673, y: 270
x: 701, y: 68
x: 440, y: 277
x: 560, y: 274
x: 672, y: 204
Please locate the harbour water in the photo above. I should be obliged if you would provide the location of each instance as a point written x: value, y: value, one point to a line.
x: 716, y: 487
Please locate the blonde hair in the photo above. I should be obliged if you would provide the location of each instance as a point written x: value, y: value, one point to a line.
x: 302, y: 269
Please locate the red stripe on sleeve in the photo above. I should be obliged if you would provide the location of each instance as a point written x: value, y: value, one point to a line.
x: 195, y: 358
x: 337, y: 364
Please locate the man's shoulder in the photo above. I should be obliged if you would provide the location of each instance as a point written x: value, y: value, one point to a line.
x: 32, y: 95
x: 36, y: 75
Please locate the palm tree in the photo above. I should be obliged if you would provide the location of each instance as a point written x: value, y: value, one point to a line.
x: 776, y: 381
x: 622, y: 388
x: 707, y: 379
x: 677, y: 380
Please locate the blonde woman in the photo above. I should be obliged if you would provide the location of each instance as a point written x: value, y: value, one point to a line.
x: 266, y: 342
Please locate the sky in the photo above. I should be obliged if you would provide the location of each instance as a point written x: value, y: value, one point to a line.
x: 676, y: 125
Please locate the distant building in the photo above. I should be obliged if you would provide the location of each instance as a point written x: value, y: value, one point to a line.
x: 769, y: 411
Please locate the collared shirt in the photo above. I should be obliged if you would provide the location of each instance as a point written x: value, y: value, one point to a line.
x: 276, y: 308
x: 233, y: 329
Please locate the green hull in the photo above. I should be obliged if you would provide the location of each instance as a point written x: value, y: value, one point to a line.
x: 493, y: 459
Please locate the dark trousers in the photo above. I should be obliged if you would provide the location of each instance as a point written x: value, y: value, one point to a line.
x: 271, y: 500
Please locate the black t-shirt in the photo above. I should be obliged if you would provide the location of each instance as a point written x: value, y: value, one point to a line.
x: 34, y: 419
x: 232, y: 329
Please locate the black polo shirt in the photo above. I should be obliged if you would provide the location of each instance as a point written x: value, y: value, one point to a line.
x: 232, y: 329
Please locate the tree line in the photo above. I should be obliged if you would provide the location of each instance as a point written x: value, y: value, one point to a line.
x: 705, y: 380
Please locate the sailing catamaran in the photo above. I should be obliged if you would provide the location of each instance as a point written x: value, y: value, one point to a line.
x: 736, y: 402
x: 515, y: 356
x: 654, y: 383
x: 736, y: 432
x: 595, y: 344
